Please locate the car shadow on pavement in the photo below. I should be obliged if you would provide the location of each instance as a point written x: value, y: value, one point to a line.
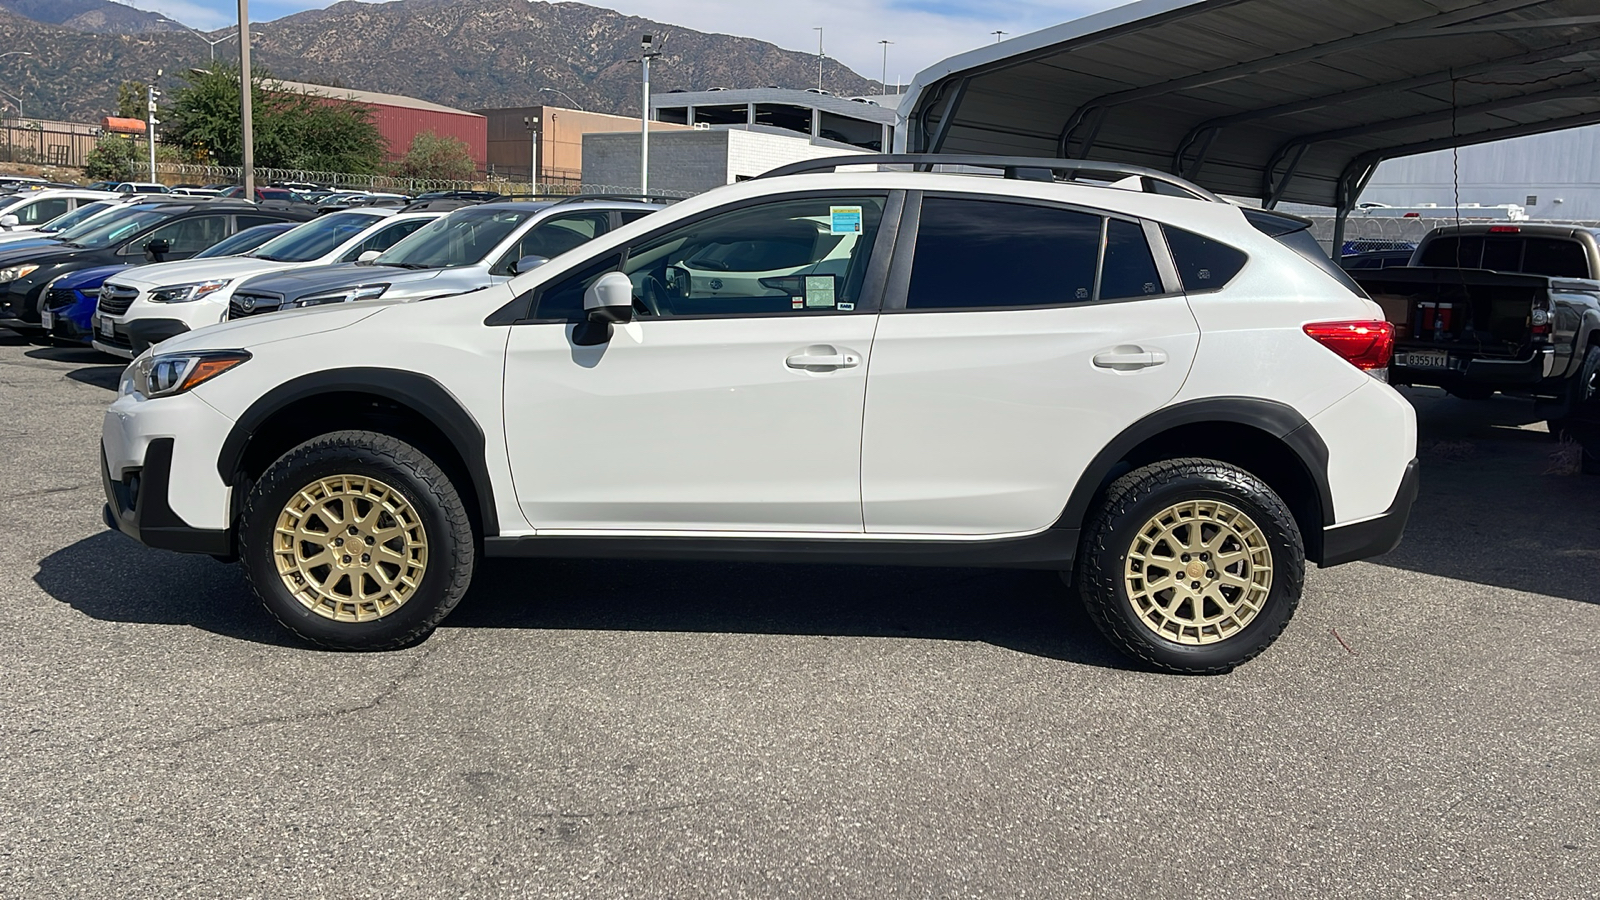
x: 111, y: 578
x: 1027, y: 611
x: 98, y: 369
x: 1495, y: 507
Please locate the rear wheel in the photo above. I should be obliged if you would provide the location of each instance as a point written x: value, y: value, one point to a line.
x: 1191, y: 565
x: 1581, y: 393
x: 357, y: 541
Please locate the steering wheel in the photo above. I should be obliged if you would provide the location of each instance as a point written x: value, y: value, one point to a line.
x: 653, y: 296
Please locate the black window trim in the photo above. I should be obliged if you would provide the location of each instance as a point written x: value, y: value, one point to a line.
x: 519, y: 311
x: 898, y: 293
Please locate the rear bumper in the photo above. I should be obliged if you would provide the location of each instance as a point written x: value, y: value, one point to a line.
x: 1375, y: 536
x: 137, y: 506
x: 1487, y: 372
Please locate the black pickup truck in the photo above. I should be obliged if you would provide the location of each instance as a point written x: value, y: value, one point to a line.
x: 1508, y: 307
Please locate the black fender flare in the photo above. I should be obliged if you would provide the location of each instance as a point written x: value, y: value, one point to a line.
x: 1278, y: 420
x: 416, y: 391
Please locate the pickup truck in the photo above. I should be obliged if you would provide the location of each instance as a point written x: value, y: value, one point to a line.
x: 1510, y: 308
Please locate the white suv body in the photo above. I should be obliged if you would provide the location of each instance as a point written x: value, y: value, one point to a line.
x: 132, y: 302
x: 1005, y: 373
x: 24, y: 212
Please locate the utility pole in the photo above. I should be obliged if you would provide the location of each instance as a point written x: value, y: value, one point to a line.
x: 532, y: 124
x: 150, y: 123
x: 884, y: 80
x: 820, y: 56
x: 650, y: 52
x: 247, y: 137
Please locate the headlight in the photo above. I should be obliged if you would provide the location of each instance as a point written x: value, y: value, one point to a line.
x: 15, y: 272
x: 363, y: 292
x: 183, y: 293
x: 165, y: 374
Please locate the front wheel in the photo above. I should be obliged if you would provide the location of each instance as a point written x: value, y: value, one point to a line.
x: 357, y: 541
x: 1191, y: 565
x: 1582, y: 390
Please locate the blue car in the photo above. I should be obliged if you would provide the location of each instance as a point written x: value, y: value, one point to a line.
x: 72, y: 298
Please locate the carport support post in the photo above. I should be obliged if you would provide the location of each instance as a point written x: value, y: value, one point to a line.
x: 1339, y: 217
x: 247, y: 138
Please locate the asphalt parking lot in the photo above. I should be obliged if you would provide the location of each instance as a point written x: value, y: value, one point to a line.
x: 1428, y: 726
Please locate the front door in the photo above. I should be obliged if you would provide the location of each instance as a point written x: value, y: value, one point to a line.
x: 730, y: 404
x: 1019, y: 351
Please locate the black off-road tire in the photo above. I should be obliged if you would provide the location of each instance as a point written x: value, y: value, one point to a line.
x: 1581, y: 401
x: 1130, y: 503
x: 419, y: 481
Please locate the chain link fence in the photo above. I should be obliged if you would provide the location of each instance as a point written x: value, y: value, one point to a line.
x: 174, y: 173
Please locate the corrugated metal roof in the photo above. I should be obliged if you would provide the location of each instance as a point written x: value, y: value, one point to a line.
x: 1296, y: 100
x: 373, y: 97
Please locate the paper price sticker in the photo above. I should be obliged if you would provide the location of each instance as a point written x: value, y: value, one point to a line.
x: 844, y: 219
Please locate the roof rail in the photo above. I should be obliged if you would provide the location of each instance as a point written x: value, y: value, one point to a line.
x: 1022, y: 168
x: 643, y: 198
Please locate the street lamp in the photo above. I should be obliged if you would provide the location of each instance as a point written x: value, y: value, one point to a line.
x: 884, y: 81
x: 820, y: 57
x: 649, y: 52
x: 14, y: 99
x: 564, y: 94
x: 532, y: 124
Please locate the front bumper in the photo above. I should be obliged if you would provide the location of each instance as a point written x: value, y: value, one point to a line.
x: 136, y: 505
x: 1375, y: 536
x: 142, y: 333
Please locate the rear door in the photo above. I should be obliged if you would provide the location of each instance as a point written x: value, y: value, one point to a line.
x: 1019, y: 341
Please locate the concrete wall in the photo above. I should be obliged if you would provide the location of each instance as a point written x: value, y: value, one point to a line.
x: 560, y: 139
x: 695, y: 161
x: 1561, y: 170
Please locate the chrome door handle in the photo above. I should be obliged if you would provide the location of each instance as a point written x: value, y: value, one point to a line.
x: 822, y: 358
x: 1129, y: 358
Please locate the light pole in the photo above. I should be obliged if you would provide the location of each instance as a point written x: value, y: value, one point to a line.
x: 247, y: 138
x: 532, y: 124
x: 150, y: 123
x: 998, y: 35
x: 650, y: 52
x: 213, y: 43
x: 820, y: 56
x: 564, y: 94
x: 884, y: 81
x: 15, y: 99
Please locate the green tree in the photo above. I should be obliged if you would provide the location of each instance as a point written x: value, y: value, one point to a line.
x: 114, y: 158
x: 132, y: 99
x: 437, y: 158
x: 293, y: 130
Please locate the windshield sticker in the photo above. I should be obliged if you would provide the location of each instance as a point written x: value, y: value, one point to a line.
x: 844, y: 219
x: 819, y: 292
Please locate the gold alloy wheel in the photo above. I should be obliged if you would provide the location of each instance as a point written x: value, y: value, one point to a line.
x: 1198, y: 572
x: 350, y: 548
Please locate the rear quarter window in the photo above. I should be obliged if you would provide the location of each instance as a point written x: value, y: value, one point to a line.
x: 1203, y: 264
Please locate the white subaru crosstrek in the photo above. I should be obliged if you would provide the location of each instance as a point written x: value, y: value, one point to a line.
x: 1173, y: 401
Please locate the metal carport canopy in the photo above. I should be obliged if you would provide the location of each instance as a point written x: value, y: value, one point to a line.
x: 1281, y: 100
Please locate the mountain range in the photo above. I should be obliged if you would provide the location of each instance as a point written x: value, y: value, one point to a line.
x: 468, y: 54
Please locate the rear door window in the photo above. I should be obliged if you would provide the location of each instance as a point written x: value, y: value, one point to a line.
x: 1129, y: 269
x: 979, y: 253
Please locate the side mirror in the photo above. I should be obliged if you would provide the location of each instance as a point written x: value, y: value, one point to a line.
x: 8, y: 222
x: 528, y: 264
x: 607, y: 302
x: 158, y: 249
x: 369, y: 255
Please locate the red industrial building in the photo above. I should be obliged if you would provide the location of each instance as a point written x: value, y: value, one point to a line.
x: 399, y: 119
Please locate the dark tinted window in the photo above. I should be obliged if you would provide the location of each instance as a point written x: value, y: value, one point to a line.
x: 1503, y: 254
x: 42, y: 211
x: 1555, y: 257
x: 1203, y: 264
x: 1453, y: 253
x: 977, y: 253
x: 1129, y: 270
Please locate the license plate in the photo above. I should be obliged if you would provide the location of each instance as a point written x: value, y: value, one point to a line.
x: 1428, y: 360
x: 108, y: 328
x: 48, y: 320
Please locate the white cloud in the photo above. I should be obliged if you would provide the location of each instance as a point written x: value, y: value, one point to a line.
x: 203, y: 16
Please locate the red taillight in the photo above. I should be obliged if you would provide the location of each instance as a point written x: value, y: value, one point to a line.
x: 1365, y: 344
x: 1505, y: 229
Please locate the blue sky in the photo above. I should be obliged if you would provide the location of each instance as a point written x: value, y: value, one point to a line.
x: 923, y: 31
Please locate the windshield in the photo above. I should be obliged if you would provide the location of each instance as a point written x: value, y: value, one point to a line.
x: 81, y: 214
x: 315, y: 238
x: 463, y: 238
x: 243, y: 242
x: 97, y: 233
